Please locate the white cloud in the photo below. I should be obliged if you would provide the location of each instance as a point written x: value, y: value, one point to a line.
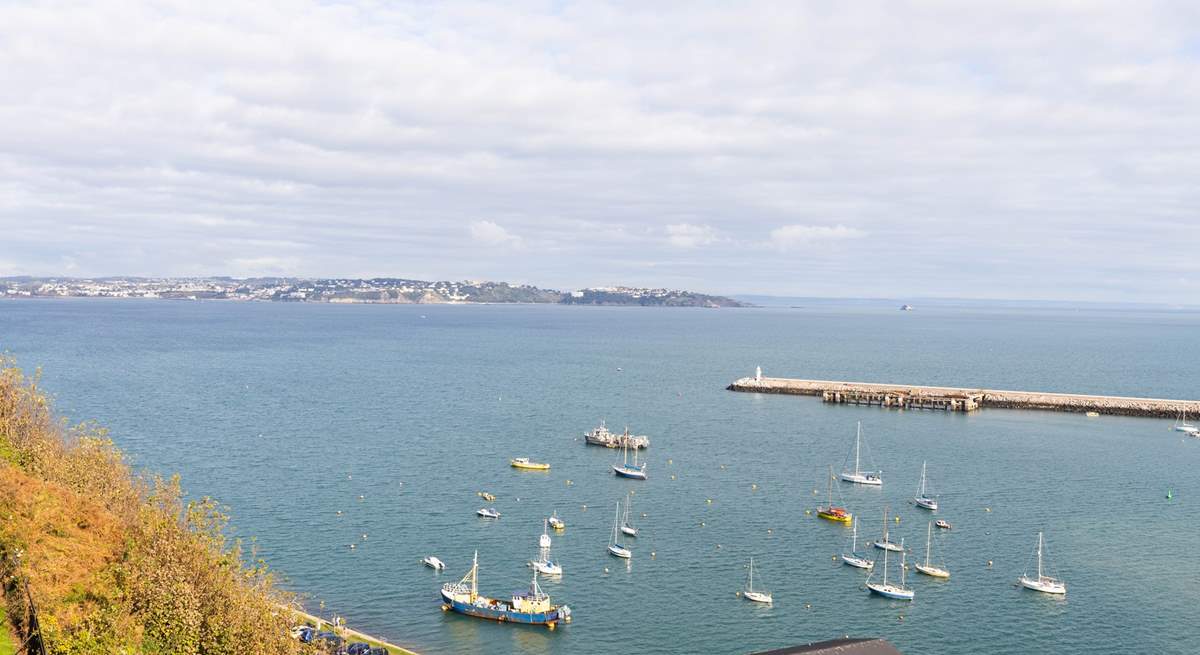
x: 178, y: 137
x: 788, y: 237
x: 686, y: 235
x: 493, y: 234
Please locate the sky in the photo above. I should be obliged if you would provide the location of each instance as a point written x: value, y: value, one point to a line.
x: 1041, y: 150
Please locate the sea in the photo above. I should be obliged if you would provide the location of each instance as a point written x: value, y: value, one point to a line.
x: 350, y: 441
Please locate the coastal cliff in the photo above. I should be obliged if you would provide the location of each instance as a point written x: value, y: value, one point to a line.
x: 112, y: 561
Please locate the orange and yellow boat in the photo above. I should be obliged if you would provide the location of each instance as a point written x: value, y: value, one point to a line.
x: 831, y: 513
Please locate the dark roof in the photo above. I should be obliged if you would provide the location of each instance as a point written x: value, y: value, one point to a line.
x: 839, y: 647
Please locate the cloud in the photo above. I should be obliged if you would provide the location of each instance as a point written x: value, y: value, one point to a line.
x: 493, y: 234
x: 363, y: 137
x: 788, y: 237
x: 686, y: 235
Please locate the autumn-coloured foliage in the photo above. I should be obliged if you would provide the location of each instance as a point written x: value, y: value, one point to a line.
x: 119, y: 562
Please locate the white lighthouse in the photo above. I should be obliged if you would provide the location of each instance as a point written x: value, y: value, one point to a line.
x: 758, y: 374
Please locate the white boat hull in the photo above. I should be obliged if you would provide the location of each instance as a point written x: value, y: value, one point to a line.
x: 932, y: 571
x: 620, y: 551
x: 890, y: 591
x: 757, y: 597
x: 862, y: 478
x: 887, y: 545
x: 633, y: 532
x: 547, y: 568
x: 434, y: 563
x: 857, y: 562
x: 488, y: 514
x: 1044, y: 584
x: 926, y: 503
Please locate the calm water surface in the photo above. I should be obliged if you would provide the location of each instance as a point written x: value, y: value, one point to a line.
x: 397, y: 415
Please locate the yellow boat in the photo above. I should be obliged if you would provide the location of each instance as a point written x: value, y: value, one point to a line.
x: 524, y: 463
x: 487, y: 496
x: 831, y: 513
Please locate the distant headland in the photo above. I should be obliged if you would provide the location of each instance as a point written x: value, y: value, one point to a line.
x: 347, y: 290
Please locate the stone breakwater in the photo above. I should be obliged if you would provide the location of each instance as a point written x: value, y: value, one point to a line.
x: 907, y: 396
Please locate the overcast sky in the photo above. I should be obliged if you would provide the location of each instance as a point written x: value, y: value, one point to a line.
x: 1033, y: 150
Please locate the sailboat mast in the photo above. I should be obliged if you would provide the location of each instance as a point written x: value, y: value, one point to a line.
x: 885, y: 566
x: 902, y: 565
x: 830, y: 485
x: 928, y: 541
x: 857, y: 441
x: 923, y: 479
x: 885, y: 537
x: 854, y: 538
x: 475, y: 576
x: 1039, y: 556
x: 751, y: 574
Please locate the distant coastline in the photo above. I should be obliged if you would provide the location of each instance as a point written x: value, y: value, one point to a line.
x: 395, y: 291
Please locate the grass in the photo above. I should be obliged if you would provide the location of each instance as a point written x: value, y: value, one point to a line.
x: 7, y: 647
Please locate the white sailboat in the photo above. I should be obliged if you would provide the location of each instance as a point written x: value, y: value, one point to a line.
x: 899, y: 592
x: 627, y: 527
x: 749, y: 593
x: 543, y: 563
x: 1042, y: 582
x: 859, y: 476
x: 1183, y: 426
x: 927, y: 568
x: 624, y: 469
x: 923, y: 499
x: 883, y: 543
x: 614, y: 547
x: 855, y: 558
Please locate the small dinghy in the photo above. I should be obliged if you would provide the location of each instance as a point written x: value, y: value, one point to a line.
x: 1042, y: 582
x: 556, y: 523
x: 488, y: 513
x: 942, y: 523
x: 434, y: 563
x: 751, y: 594
x: 614, y: 547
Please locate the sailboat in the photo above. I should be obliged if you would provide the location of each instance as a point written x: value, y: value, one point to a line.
x: 884, y: 543
x: 922, y: 499
x: 855, y: 558
x: 626, y: 526
x: 556, y: 522
x: 749, y: 593
x: 831, y: 513
x: 1183, y: 426
x: 543, y: 563
x: 1042, y: 582
x: 858, y: 476
x: 614, y: 547
x: 531, y: 606
x: 899, y: 592
x: 625, y: 470
x: 927, y: 568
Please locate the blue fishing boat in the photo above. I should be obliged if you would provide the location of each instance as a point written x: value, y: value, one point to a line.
x: 532, y: 606
x: 626, y: 470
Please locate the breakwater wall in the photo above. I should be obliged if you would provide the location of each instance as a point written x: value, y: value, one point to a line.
x: 907, y: 396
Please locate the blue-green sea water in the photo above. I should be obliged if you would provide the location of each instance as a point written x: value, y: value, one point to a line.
x: 395, y: 416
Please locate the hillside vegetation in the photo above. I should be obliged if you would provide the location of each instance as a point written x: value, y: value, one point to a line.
x: 116, y: 561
